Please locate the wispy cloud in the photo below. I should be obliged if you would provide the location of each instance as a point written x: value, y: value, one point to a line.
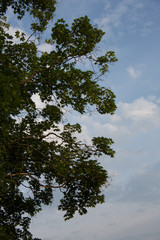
x: 143, y: 186
x: 134, y: 72
x: 130, y: 11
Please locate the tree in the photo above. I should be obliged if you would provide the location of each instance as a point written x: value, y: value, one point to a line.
x: 36, y: 152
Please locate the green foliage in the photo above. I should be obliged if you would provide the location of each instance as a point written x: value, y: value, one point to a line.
x: 37, y: 154
x: 42, y: 11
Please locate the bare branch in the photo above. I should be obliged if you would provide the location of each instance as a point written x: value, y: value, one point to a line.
x: 30, y: 36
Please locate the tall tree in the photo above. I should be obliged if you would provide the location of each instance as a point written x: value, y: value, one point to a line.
x: 36, y: 152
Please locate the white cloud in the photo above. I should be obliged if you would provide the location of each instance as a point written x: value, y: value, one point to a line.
x: 36, y: 99
x: 139, y: 116
x: 44, y: 47
x: 134, y: 72
x: 141, y: 110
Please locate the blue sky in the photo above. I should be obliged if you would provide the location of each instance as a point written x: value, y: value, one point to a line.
x: 132, y: 207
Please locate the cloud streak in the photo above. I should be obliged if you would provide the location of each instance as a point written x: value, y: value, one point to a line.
x: 126, y: 10
x: 134, y: 73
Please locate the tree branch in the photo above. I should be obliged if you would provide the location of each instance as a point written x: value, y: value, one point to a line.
x: 35, y: 138
x: 34, y: 178
x: 29, y: 79
x: 30, y: 36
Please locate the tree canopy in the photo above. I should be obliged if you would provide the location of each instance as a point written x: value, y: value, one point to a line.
x: 39, y: 151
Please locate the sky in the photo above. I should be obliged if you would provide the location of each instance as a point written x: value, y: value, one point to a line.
x: 132, y: 207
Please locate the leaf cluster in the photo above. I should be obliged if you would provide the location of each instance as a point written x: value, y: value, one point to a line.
x: 42, y: 11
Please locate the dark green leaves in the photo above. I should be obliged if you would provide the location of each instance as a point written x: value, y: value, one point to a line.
x: 83, y: 188
x: 102, y: 145
x: 80, y: 40
x: 39, y: 150
x: 53, y: 113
